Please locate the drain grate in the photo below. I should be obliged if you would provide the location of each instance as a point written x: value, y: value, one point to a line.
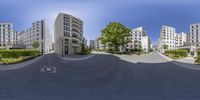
x: 49, y: 69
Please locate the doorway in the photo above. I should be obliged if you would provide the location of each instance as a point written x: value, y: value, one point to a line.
x: 66, y: 50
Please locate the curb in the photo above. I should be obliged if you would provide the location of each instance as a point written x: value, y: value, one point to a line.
x: 78, y: 59
x: 186, y: 65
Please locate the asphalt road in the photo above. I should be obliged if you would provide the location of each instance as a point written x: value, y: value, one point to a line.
x: 103, y: 77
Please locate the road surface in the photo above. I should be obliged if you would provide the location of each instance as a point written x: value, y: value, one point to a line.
x: 103, y: 77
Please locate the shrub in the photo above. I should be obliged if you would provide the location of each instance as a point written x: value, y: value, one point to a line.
x: 177, y: 53
x: 136, y: 51
x: 110, y: 50
x: 18, y: 53
x: 183, y: 53
x: 11, y: 60
x: 198, y: 52
x: 85, y: 51
x: 198, y: 59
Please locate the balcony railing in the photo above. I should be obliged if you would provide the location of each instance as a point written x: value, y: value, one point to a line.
x: 76, y: 45
x: 78, y: 39
x: 76, y: 33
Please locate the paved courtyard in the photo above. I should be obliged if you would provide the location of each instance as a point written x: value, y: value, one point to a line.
x: 154, y: 57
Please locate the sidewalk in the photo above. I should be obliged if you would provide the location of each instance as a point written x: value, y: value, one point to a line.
x: 188, y: 60
x: 164, y: 56
x: 77, y: 57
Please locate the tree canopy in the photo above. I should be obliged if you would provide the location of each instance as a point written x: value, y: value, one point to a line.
x: 35, y: 44
x: 116, y: 34
x: 165, y: 47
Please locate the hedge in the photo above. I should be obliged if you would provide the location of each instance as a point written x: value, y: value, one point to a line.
x: 177, y: 53
x: 11, y: 60
x: 198, y: 52
x: 18, y: 53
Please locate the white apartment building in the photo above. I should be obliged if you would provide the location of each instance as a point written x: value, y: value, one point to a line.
x: 92, y: 44
x: 84, y: 41
x: 99, y: 45
x: 38, y: 32
x: 15, y: 37
x: 8, y: 36
x: 181, y: 39
x: 140, y: 40
x: 194, y: 35
x: 169, y: 37
x: 68, y: 34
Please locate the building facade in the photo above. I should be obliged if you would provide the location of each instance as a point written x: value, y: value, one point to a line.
x: 8, y: 37
x: 181, y: 39
x: 140, y: 40
x: 99, y: 45
x: 15, y: 37
x: 92, y: 44
x: 68, y: 34
x: 194, y: 35
x: 38, y: 32
x: 6, y: 34
x: 85, y: 42
x: 169, y: 37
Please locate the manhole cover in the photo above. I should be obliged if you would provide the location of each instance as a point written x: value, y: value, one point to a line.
x: 49, y: 69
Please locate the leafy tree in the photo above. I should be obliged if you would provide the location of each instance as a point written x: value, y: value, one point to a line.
x: 116, y: 34
x: 165, y: 47
x: 35, y: 44
x: 84, y: 50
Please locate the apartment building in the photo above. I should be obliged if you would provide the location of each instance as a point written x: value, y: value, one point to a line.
x: 188, y: 39
x: 181, y: 39
x: 169, y: 37
x: 8, y: 37
x: 38, y: 32
x: 15, y: 37
x: 140, y: 40
x: 194, y: 35
x: 68, y: 34
x: 92, y: 44
x: 6, y: 32
x: 84, y: 41
x: 99, y: 45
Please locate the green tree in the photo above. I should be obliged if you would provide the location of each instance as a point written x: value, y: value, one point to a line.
x: 116, y: 34
x: 35, y: 44
x: 165, y: 47
x: 84, y: 50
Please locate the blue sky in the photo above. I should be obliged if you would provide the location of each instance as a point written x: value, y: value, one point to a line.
x: 96, y: 14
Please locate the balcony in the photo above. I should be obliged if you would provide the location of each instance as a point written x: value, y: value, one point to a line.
x: 78, y: 39
x: 76, y: 25
x: 76, y: 29
x: 75, y: 43
x: 76, y: 33
x: 74, y: 20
